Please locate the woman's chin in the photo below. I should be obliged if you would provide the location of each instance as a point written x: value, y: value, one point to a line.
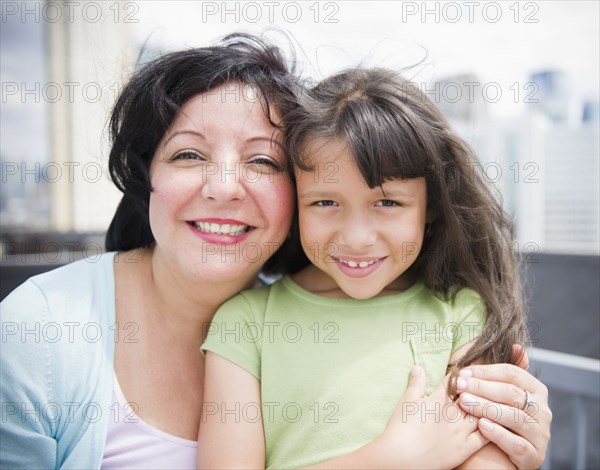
x: 224, y: 270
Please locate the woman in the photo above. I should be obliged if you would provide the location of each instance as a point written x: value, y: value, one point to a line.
x: 100, y: 361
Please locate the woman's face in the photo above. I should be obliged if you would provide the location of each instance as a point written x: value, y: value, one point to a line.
x: 221, y: 200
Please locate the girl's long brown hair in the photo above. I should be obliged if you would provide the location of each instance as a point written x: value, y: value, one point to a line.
x: 395, y: 131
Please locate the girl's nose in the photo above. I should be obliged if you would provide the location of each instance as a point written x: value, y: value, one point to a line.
x: 357, y: 233
x: 222, y: 182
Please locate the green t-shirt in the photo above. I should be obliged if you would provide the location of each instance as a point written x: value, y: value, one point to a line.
x: 333, y: 370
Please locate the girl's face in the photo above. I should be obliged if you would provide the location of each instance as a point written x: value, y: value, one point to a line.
x: 363, y: 239
x: 221, y: 202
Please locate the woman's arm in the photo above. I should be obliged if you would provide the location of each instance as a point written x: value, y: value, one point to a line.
x: 522, y: 435
x: 27, y: 430
x: 226, y: 439
x: 490, y: 456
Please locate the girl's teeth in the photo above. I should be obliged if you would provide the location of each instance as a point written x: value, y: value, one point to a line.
x: 354, y: 264
x: 224, y: 229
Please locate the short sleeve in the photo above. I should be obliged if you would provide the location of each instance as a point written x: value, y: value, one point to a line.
x: 28, y: 428
x: 469, y: 315
x: 235, y: 332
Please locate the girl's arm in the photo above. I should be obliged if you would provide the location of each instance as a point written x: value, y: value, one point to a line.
x: 413, y: 438
x: 226, y: 439
x: 430, y: 432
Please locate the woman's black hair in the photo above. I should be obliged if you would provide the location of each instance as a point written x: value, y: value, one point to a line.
x: 149, y: 103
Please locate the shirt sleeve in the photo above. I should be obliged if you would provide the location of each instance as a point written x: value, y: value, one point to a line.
x: 235, y: 332
x: 28, y: 423
x: 469, y: 316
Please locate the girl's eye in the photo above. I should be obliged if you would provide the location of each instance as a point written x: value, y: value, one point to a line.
x: 387, y: 203
x: 325, y: 203
x: 188, y: 155
x: 264, y: 160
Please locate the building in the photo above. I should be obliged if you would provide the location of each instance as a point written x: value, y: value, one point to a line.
x: 88, y: 62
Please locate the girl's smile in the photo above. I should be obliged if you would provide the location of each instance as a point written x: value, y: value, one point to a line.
x: 362, y: 239
x: 357, y: 267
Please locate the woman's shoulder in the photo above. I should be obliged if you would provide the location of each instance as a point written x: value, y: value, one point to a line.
x: 80, y: 272
x: 63, y: 292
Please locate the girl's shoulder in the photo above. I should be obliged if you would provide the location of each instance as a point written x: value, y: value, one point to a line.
x: 468, y: 305
x: 466, y: 296
x: 248, y: 306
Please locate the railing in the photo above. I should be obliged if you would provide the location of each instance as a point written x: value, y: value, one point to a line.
x: 580, y: 378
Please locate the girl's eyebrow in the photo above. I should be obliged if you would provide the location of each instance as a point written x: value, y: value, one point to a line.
x: 397, y: 193
x: 317, y: 193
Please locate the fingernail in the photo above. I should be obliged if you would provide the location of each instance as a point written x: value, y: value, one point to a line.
x: 468, y: 399
x: 461, y: 384
x: 415, y: 371
x: 465, y: 373
x: 486, y: 424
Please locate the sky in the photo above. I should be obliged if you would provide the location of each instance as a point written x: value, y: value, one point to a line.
x: 501, y: 43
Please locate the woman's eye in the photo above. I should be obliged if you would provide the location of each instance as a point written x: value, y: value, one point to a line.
x: 387, y: 203
x: 263, y: 160
x: 188, y: 155
x: 325, y: 203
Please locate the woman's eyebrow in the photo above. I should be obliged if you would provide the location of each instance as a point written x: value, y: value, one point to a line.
x: 185, y: 131
x: 271, y: 140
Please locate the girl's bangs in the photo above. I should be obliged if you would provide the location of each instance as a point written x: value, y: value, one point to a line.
x: 386, y: 145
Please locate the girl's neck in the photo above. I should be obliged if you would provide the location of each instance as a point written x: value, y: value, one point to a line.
x: 317, y: 282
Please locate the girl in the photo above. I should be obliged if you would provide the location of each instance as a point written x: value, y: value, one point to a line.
x: 411, y: 265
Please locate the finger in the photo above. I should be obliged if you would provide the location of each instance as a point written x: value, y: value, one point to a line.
x: 529, y: 426
x: 475, y: 441
x: 519, y: 357
x: 417, y: 382
x: 498, y: 392
x: 522, y: 453
x: 507, y: 373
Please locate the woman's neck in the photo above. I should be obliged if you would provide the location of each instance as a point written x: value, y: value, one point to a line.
x: 183, y: 306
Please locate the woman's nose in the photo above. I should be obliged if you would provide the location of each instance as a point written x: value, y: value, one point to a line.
x: 223, y: 182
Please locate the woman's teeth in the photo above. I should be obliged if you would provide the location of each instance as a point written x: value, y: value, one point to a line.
x: 221, y: 229
x: 362, y: 264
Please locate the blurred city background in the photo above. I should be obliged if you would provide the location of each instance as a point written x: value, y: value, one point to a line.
x: 518, y: 80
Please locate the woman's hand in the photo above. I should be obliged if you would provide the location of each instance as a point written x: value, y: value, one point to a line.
x: 513, y: 407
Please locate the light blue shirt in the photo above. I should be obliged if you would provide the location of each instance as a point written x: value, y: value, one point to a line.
x: 57, y: 349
